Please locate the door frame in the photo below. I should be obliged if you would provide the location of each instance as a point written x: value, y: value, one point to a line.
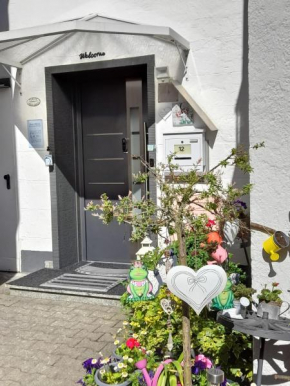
x: 66, y: 227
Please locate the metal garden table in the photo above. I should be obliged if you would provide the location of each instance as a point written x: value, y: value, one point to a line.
x: 258, y: 327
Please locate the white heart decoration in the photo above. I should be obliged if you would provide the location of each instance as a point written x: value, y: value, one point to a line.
x: 196, y: 288
x: 231, y: 230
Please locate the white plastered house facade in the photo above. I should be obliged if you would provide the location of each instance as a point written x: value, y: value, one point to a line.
x: 199, y: 50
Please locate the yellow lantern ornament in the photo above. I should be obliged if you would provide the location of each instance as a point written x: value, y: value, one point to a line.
x: 274, y: 243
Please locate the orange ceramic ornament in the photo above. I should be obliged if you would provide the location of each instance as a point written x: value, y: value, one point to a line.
x: 214, y: 237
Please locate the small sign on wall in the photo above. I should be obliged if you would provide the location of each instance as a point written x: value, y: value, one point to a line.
x: 182, y: 114
x: 35, y: 133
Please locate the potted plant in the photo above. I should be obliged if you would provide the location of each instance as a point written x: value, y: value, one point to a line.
x: 270, y: 302
x: 92, y: 365
x: 241, y: 291
x: 123, y: 372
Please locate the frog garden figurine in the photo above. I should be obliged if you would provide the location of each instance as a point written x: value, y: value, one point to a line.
x: 225, y: 299
x: 139, y: 287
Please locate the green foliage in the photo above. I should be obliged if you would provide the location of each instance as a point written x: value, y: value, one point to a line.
x: 240, y: 290
x: 177, y: 195
x: 140, y: 178
x: 272, y: 295
x: 231, y: 350
x: 89, y: 379
x: 151, y: 259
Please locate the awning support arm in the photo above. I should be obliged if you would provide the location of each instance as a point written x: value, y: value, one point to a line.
x: 181, y: 57
x: 9, y: 72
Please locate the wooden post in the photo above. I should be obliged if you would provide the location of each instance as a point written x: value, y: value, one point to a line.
x: 185, y: 316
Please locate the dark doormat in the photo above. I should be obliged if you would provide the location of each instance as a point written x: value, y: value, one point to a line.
x: 85, y: 279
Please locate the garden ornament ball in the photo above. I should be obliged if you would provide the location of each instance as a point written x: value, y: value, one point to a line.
x: 274, y: 243
x: 214, y: 237
x: 196, y: 288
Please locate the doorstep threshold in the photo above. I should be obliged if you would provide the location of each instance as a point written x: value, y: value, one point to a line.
x: 56, y: 291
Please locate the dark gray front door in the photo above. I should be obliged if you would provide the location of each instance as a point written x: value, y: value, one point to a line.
x: 112, y: 130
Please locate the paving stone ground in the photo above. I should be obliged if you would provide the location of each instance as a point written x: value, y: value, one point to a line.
x: 43, y: 342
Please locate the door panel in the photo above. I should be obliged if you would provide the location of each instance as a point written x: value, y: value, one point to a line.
x: 8, y: 202
x: 109, y: 137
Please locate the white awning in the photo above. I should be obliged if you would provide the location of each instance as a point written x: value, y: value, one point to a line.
x: 196, y: 107
x: 19, y: 46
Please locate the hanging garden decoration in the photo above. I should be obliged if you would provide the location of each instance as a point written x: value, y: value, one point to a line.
x: 230, y: 231
x: 196, y: 288
x: 219, y: 255
x: 214, y: 237
x: 274, y: 243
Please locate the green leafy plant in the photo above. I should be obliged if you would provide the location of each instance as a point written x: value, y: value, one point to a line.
x: 240, y: 290
x: 175, y: 211
x: 270, y: 295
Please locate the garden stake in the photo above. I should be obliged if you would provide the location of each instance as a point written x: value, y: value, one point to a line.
x: 185, y: 314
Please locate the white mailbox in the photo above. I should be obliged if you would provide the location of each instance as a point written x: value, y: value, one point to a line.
x: 189, y: 149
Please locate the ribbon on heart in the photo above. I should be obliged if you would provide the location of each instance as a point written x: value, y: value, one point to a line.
x: 196, y: 288
x: 196, y: 281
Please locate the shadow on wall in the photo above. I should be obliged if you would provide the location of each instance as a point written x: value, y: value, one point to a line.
x: 4, y: 19
x: 242, y: 105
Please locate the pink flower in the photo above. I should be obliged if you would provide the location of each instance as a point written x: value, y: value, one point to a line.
x: 203, y: 359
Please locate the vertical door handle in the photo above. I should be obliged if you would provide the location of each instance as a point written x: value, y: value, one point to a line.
x: 124, y: 145
x: 7, y: 178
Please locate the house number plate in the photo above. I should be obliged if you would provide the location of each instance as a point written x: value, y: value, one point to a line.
x: 182, y: 149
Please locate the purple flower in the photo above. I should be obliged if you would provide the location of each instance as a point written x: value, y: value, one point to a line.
x: 224, y: 382
x: 241, y: 203
x: 198, y: 366
x: 92, y: 363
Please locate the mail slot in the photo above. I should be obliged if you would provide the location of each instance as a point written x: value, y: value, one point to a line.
x: 188, y: 150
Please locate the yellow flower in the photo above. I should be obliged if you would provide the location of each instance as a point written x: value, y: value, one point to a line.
x: 120, y: 365
x: 125, y: 357
x: 124, y: 374
x: 124, y: 366
x: 135, y: 336
x: 143, y: 332
x: 125, y: 323
x: 94, y: 361
x: 105, y: 360
x: 116, y: 342
x: 130, y: 360
x: 102, y: 371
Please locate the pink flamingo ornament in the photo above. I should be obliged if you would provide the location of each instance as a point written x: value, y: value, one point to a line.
x: 141, y: 365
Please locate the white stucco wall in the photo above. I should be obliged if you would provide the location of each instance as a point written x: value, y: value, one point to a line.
x: 213, y: 78
x: 269, y: 56
x: 33, y: 175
